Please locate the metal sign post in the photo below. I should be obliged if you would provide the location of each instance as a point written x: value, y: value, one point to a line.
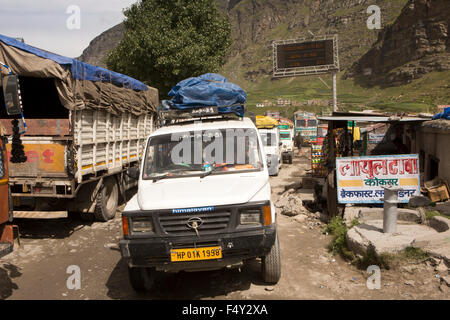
x: 306, y: 56
x: 335, y: 107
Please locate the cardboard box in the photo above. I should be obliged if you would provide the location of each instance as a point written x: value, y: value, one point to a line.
x: 438, y: 194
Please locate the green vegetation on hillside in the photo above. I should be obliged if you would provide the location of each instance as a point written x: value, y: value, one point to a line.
x: 422, y: 95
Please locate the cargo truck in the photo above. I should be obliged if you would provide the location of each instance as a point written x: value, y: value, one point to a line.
x: 86, y: 126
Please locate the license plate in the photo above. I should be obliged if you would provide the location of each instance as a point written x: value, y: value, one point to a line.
x: 195, y: 254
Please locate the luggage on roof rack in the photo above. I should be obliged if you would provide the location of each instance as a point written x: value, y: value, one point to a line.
x: 204, y: 96
x: 169, y: 115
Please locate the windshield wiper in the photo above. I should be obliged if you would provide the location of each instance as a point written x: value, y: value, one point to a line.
x: 213, y: 169
x: 165, y: 176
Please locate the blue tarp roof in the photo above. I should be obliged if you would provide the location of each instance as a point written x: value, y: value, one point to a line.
x: 208, y: 90
x: 80, y: 70
x: 443, y: 115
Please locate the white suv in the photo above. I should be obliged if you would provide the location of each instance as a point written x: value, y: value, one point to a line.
x: 203, y: 202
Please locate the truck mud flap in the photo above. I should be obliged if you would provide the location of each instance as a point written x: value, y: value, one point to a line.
x: 5, y: 248
x: 7, y: 239
x: 40, y: 214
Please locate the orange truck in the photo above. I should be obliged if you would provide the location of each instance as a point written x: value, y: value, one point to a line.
x: 6, y: 229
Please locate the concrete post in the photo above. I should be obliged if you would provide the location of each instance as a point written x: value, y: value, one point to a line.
x: 390, y: 209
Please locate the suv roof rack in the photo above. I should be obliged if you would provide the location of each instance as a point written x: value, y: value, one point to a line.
x: 173, y: 116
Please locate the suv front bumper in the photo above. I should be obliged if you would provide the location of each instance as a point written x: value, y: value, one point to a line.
x: 236, y: 247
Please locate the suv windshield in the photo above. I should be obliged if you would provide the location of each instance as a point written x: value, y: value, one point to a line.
x: 195, y: 153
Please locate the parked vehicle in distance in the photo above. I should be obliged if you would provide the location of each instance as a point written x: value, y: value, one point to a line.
x: 270, y: 135
x: 194, y: 213
x: 306, y: 123
x: 272, y: 149
x: 287, y: 142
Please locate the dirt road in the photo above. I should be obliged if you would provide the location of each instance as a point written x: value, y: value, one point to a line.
x: 38, y: 269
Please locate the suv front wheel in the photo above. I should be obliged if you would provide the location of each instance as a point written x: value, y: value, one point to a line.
x: 141, y: 279
x: 271, y: 264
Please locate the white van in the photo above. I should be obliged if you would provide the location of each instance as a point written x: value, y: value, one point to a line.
x: 271, y: 141
x: 203, y: 202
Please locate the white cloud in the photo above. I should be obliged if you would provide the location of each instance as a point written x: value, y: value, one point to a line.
x: 43, y: 23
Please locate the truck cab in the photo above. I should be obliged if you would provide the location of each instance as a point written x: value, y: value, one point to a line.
x: 203, y: 202
x: 287, y: 143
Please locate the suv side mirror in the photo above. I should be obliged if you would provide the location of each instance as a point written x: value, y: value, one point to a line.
x: 133, y: 173
x: 281, y: 143
x: 11, y: 92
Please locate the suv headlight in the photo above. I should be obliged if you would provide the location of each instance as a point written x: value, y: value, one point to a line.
x: 142, y: 225
x: 250, y: 217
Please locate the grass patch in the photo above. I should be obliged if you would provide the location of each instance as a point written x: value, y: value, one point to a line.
x: 392, y: 260
x: 339, y: 229
x: 431, y: 214
x: 371, y: 258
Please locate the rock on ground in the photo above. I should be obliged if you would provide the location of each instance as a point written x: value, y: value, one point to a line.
x: 290, y: 204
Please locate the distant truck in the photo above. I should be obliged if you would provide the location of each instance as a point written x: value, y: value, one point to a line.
x: 86, y: 127
x: 287, y: 142
x: 306, y: 124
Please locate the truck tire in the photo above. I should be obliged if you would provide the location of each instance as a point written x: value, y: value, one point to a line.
x: 290, y: 158
x: 271, y: 264
x: 107, y: 200
x: 141, y: 279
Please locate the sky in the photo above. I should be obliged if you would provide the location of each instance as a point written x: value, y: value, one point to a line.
x: 65, y: 27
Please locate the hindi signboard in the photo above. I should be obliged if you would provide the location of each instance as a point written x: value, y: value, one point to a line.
x: 362, y: 179
x: 306, y: 56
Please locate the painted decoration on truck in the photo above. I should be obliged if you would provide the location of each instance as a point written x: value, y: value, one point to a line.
x: 41, y: 158
x: 362, y: 179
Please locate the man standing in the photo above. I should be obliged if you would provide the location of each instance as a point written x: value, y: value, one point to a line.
x: 299, y: 143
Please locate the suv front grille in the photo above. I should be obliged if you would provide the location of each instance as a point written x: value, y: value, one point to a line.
x: 213, y: 223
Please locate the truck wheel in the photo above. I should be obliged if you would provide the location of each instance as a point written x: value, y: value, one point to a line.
x: 290, y: 159
x: 141, y: 279
x: 107, y: 200
x: 271, y: 264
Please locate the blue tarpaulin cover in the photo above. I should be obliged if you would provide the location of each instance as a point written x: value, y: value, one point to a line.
x: 208, y: 90
x: 80, y: 70
x: 443, y: 115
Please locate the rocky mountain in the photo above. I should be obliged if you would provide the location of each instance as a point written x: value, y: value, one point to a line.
x: 412, y: 43
x: 99, y: 47
x: 416, y: 44
x: 256, y: 23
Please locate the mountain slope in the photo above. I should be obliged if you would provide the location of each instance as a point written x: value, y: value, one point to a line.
x: 256, y: 23
x: 416, y: 44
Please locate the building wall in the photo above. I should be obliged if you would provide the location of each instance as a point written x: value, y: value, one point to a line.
x: 436, y: 143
